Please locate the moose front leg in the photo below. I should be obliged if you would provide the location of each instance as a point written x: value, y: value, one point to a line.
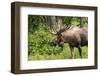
x: 61, y: 44
x: 80, y: 51
x: 71, y: 50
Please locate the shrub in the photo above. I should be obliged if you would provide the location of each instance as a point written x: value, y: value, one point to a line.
x: 38, y: 42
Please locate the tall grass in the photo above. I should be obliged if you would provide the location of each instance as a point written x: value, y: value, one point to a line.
x: 65, y: 54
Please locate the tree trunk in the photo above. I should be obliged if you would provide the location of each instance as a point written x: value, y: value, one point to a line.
x: 81, y: 22
x: 54, y: 22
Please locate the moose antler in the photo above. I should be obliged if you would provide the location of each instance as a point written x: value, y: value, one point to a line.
x: 59, y: 31
x: 52, y: 31
x: 57, y: 26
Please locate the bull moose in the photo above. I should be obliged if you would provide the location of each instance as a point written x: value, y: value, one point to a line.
x: 75, y: 37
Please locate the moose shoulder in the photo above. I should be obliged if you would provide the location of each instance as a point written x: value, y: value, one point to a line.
x: 75, y: 37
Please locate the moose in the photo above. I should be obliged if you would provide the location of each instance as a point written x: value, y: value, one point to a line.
x: 74, y: 36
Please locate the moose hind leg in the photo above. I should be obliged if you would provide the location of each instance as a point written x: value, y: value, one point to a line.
x: 71, y: 50
x: 80, y: 51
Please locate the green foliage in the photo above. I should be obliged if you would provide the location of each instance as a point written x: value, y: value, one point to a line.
x: 34, y: 22
x: 68, y: 21
x: 65, y: 54
x: 38, y: 42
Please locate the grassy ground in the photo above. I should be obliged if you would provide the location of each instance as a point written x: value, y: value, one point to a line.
x: 65, y: 54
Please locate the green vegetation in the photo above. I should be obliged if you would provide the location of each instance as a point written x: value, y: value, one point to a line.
x: 38, y: 38
x: 65, y: 54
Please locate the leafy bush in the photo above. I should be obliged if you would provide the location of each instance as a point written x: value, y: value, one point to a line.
x: 38, y: 42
